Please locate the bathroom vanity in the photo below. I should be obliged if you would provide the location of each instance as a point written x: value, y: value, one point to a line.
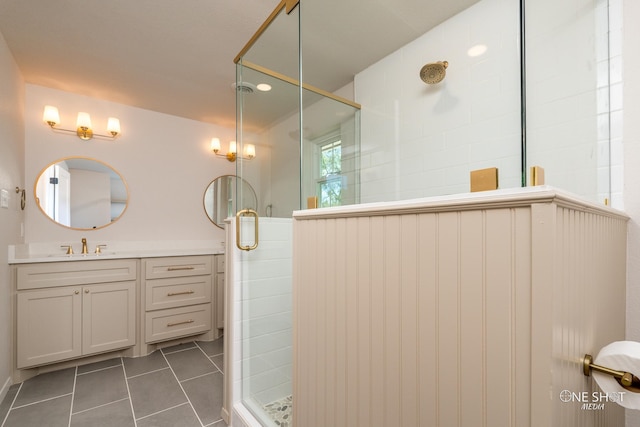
x: 71, y: 310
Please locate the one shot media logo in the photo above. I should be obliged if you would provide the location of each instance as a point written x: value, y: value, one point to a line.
x: 591, y: 401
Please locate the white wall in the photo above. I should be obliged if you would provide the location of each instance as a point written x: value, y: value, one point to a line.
x: 629, y: 34
x: 164, y: 159
x: 11, y: 176
x: 419, y: 140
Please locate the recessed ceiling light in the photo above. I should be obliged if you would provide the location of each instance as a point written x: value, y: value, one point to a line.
x: 263, y: 87
x: 477, y: 50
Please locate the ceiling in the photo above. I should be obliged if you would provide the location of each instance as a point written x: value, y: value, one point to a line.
x: 177, y: 57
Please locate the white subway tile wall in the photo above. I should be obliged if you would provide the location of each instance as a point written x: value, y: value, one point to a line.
x: 265, y: 300
x: 421, y: 140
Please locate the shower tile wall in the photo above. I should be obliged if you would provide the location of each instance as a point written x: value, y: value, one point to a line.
x: 266, y: 304
x: 574, y: 95
x: 421, y: 140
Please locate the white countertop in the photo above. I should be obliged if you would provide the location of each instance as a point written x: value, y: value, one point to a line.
x: 52, y: 252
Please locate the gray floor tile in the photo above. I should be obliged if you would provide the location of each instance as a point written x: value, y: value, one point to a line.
x: 99, y: 365
x: 212, y: 348
x: 117, y: 414
x: 182, y: 416
x: 99, y: 388
x: 46, y: 386
x: 8, y: 400
x: 154, y: 392
x: 190, y: 364
x: 141, y: 365
x: 101, y: 398
x: 218, y: 360
x: 50, y: 413
x: 205, y: 394
x: 179, y: 347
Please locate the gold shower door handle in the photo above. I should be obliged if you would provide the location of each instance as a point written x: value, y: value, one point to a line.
x: 246, y: 212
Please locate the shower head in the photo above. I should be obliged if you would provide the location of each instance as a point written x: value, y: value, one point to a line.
x: 434, y: 72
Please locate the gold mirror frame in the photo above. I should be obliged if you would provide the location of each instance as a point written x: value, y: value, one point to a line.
x: 99, y: 166
x: 211, y: 211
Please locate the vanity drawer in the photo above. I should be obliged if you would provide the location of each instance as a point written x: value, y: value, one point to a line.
x: 49, y: 275
x: 177, y: 292
x: 177, y: 322
x: 159, y: 268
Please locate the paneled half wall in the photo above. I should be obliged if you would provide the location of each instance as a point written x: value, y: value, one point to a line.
x: 455, y: 311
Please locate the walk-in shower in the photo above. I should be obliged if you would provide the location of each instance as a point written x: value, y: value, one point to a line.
x: 308, y: 141
x: 408, y: 140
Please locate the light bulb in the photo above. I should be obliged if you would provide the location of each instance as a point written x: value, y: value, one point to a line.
x: 84, y: 120
x: 250, y: 151
x: 215, y: 145
x: 51, y: 115
x: 113, y: 126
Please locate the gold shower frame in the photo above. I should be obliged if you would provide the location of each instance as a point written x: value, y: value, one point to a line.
x: 288, y: 5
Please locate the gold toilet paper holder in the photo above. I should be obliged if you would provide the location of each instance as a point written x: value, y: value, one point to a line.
x: 625, y: 379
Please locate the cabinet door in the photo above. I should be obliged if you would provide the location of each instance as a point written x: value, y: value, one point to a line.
x: 108, y: 317
x: 48, y: 325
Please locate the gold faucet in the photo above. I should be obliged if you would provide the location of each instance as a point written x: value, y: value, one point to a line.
x: 85, y: 250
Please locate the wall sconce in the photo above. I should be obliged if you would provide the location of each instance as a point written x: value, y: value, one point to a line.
x: 83, y: 125
x: 231, y: 155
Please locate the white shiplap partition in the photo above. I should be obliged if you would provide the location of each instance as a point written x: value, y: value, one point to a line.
x: 455, y: 311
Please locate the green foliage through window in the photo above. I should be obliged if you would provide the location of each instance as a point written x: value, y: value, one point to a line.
x: 330, y: 182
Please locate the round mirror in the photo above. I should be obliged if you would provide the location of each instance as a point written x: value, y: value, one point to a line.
x: 81, y: 193
x: 219, y: 197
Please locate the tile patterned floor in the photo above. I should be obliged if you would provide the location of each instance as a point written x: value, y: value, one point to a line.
x: 281, y: 411
x: 176, y: 386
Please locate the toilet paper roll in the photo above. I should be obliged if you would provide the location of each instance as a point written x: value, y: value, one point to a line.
x: 620, y: 356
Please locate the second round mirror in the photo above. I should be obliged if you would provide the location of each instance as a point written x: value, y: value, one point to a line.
x: 220, y: 195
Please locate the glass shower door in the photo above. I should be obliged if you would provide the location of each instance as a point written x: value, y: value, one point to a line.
x: 268, y: 123
x: 266, y: 270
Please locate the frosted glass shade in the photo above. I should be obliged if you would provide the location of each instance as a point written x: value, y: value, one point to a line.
x: 51, y: 115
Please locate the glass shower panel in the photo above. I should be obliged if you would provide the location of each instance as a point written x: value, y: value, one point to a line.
x: 270, y: 122
x: 420, y: 139
x: 568, y: 103
x: 330, y: 151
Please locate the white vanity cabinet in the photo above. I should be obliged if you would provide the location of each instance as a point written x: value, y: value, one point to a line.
x: 178, y: 295
x: 66, y: 310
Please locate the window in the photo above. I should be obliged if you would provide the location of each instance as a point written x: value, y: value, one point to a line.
x: 330, y: 180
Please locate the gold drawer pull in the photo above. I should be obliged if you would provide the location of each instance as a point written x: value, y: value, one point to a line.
x: 186, y: 267
x: 172, y: 294
x: 180, y: 323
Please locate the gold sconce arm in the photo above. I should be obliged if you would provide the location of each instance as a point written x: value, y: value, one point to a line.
x: 625, y: 379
